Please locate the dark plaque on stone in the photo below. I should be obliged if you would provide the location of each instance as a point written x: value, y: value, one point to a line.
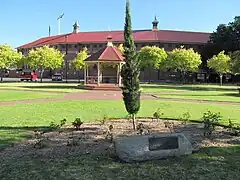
x: 163, y: 143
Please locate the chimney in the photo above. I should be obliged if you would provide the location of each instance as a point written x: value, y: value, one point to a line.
x: 109, y: 41
x: 155, y: 24
x: 76, y: 27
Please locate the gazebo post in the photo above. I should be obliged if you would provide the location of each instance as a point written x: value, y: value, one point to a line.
x: 98, y: 74
x: 119, y: 75
x: 85, y: 74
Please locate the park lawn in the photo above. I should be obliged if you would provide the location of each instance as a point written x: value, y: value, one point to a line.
x: 21, y: 118
x: 51, y: 87
x: 23, y: 95
x: 187, y: 87
x: 204, y: 95
x: 222, y: 163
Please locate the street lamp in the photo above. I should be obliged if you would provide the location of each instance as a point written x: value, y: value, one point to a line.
x: 66, y: 61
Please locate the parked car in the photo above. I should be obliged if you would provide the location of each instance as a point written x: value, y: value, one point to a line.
x: 28, y: 76
x: 57, y: 77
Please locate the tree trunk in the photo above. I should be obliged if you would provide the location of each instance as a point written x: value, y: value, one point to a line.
x: 2, y: 75
x: 149, y: 75
x: 79, y: 76
x: 183, y: 77
x: 41, y: 76
x: 221, y: 76
x: 133, y: 121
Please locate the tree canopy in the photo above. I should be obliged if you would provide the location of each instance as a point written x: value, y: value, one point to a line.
x: 130, y: 70
x: 226, y: 37
x: 79, y: 61
x: 9, y: 58
x: 220, y: 63
x: 235, y: 62
x: 183, y: 60
x: 45, y: 57
x: 152, y: 57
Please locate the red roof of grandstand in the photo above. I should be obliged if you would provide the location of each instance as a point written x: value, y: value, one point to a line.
x: 139, y: 36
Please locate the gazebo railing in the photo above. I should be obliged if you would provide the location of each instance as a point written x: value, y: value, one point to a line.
x: 103, y: 80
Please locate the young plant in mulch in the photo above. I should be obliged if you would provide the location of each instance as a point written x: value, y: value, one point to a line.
x: 109, y: 133
x: 143, y: 129
x: 41, y: 140
x: 53, y: 126
x: 158, y: 114
x: 77, y: 123
x: 169, y: 125
x: 104, y: 120
x: 210, y: 121
x: 233, y: 129
x: 185, y: 118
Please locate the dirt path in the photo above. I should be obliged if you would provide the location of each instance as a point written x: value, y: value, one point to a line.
x: 108, y: 95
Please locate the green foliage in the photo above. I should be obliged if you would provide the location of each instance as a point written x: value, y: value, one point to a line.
x: 185, y: 117
x: 233, y: 129
x: 210, y: 120
x: 79, y: 62
x: 183, y: 60
x: 158, y: 114
x: 130, y: 70
x: 224, y: 38
x: 77, y: 123
x: 63, y: 122
x: 152, y: 57
x: 9, y: 57
x: 220, y: 63
x: 45, y: 57
x: 53, y: 126
x: 235, y: 62
x: 121, y: 48
x: 104, y: 119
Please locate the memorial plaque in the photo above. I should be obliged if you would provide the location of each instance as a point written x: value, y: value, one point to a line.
x: 163, y: 143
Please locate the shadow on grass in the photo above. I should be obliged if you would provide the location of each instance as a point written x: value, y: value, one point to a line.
x: 188, y: 88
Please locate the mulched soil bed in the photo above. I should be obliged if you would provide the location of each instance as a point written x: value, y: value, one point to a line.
x: 91, y: 139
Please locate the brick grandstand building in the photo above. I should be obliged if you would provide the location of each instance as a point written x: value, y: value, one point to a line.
x: 70, y: 44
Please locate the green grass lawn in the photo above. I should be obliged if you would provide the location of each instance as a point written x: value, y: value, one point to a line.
x: 52, y: 87
x: 21, y: 95
x: 20, y: 118
x: 205, y: 95
x: 221, y: 163
x: 187, y: 87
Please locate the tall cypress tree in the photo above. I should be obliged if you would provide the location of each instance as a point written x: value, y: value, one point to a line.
x: 131, y: 70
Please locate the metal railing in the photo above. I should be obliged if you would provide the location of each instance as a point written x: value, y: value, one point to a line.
x: 102, y: 79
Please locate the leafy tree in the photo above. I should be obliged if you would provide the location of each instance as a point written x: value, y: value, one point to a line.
x: 226, y: 37
x: 183, y: 60
x: 235, y: 62
x: 79, y: 62
x: 220, y: 63
x: 130, y: 71
x: 45, y: 57
x: 121, y: 48
x: 8, y: 58
x: 151, y: 57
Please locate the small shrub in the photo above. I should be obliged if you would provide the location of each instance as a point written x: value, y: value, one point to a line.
x: 233, y: 129
x: 63, y: 122
x: 169, y: 125
x: 142, y: 129
x: 53, y: 126
x: 185, y: 118
x: 77, y: 123
x: 103, y: 121
x: 158, y: 114
x: 210, y: 120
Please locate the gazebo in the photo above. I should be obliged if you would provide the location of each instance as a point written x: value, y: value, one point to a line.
x: 102, y: 70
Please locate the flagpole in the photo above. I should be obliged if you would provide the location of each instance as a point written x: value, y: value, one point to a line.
x: 59, y: 26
